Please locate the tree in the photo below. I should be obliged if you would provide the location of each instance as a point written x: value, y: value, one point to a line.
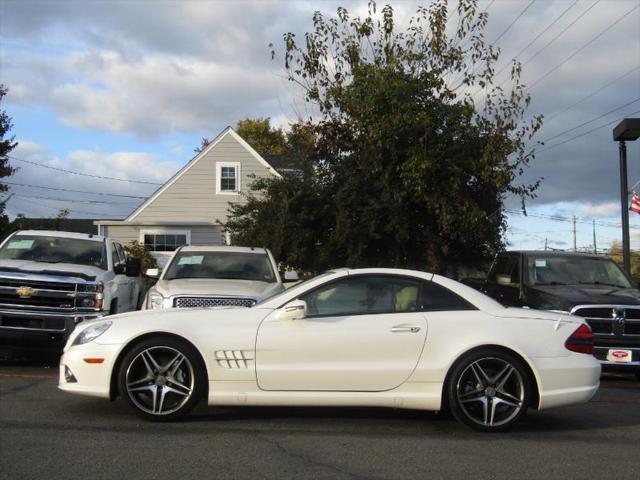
x: 615, y: 254
x: 264, y: 139
x: 406, y: 170
x: 7, y: 144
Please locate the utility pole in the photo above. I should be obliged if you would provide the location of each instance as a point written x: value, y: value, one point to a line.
x: 595, y: 247
x: 545, y: 244
x: 575, y: 245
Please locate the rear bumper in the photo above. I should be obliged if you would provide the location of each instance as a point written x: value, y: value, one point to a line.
x: 25, y: 333
x: 567, y: 380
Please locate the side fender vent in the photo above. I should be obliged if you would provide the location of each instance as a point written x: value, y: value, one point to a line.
x: 234, y: 358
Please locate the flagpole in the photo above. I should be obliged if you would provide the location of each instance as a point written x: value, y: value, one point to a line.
x: 624, y: 203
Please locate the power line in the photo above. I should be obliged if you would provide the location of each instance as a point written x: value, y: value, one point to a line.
x: 587, y: 132
x: 591, y: 95
x: 540, y: 79
x: 592, y: 120
x: 71, y: 200
x: 562, y: 219
x: 562, y: 32
x: 537, y: 37
x: 101, y: 214
x: 513, y: 22
x: 72, y: 191
x: 81, y: 173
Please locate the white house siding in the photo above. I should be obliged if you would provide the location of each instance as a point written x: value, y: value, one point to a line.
x: 200, y: 234
x: 192, y: 197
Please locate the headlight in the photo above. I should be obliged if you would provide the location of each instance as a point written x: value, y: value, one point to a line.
x: 91, y: 333
x: 90, y: 295
x: 155, y: 301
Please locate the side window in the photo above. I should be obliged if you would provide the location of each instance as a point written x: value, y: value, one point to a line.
x: 364, y: 295
x: 115, y: 256
x: 506, y: 266
x: 121, y: 254
x: 436, y: 298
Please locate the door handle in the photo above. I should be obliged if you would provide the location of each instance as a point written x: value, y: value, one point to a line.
x: 405, y: 328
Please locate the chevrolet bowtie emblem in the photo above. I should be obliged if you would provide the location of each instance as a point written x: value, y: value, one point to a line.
x: 25, y: 292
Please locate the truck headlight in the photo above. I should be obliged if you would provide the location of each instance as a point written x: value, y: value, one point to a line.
x: 155, y: 301
x: 91, y: 333
x: 90, y: 295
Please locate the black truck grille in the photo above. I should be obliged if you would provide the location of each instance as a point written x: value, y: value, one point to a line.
x: 196, y: 302
x: 614, y: 320
x: 36, y: 294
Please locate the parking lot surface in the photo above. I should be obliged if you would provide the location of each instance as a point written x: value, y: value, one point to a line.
x: 47, y: 433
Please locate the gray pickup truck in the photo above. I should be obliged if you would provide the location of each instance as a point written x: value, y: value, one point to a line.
x: 590, y: 286
x: 51, y: 280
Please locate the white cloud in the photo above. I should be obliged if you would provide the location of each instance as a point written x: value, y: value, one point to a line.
x: 602, y: 210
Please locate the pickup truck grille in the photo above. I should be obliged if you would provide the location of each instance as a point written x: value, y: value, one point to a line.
x: 616, y: 320
x: 36, y: 294
x: 197, y: 302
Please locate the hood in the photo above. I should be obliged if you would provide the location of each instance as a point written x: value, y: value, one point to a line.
x: 212, y: 286
x: 27, y: 269
x: 565, y: 297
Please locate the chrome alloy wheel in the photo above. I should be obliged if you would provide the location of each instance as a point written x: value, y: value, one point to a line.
x: 490, y: 391
x: 160, y: 380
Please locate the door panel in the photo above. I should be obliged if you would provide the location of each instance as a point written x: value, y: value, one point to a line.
x: 341, y: 353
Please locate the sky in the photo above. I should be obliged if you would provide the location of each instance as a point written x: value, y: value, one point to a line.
x: 126, y: 90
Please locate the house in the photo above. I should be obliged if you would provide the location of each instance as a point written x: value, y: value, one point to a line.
x: 186, y: 209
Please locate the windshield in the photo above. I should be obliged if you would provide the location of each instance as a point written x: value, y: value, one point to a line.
x: 227, y: 265
x: 296, y: 287
x: 575, y: 270
x: 45, y: 249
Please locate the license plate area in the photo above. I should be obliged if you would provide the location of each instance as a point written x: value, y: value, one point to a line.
x: 619, y: 355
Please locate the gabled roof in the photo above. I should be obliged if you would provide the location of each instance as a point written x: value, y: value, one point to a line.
x: 194, y: 160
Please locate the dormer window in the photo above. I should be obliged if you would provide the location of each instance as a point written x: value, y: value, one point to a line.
x: 228, y: 177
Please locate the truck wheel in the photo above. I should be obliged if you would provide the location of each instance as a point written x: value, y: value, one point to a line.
x: 162, y: 378
x: 489, y: 390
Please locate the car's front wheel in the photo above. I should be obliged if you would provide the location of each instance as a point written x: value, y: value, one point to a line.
x: 489, y: 390
x: 162, y: 378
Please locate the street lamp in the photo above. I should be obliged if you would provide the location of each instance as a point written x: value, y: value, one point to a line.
x: 627, y: 130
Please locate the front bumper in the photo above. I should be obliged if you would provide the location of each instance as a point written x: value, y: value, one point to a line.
x: 39, y: 331
x: 89, y: 378
x: 600, y: 352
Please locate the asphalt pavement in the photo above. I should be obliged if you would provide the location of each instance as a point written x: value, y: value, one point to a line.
x: 45, y: 433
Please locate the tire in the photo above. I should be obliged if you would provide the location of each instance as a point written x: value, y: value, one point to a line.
x: 162, y: 378
x: 489, y: 390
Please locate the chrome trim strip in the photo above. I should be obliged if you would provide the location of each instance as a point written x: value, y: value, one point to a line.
x: 5, y: 327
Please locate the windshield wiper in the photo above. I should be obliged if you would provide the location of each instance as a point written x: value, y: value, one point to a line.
x: 550, y: 283
x: 603, y: 283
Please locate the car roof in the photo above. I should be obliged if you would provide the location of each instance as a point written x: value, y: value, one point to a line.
x: 60, y: 234
x: 555, y: 253
x: 222, y: 248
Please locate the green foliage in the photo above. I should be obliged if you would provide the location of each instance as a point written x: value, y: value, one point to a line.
x: 615, y: 254
x: 138, y: 250
x: 7, y: 144
x: 401, y: 169
x: 262, y: 137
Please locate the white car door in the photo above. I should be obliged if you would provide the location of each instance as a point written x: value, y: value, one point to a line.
x: 361, y: 333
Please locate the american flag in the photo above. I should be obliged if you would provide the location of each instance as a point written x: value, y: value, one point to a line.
x: 635, y: 203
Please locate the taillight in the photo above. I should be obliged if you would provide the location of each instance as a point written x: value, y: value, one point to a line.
x: 581, y: 340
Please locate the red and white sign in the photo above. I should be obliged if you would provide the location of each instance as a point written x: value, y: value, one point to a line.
x: 620, y: 356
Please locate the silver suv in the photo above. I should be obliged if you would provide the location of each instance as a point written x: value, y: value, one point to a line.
x: 210, y: 276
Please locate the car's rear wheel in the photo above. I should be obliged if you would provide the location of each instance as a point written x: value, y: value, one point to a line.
x: 489, y: 390
x: 162, y: 378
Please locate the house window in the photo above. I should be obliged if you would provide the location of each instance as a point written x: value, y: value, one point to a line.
x: 164, y: 240
x: 228, y: 177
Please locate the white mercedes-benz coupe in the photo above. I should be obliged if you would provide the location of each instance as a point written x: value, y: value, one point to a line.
x: 368, y: 337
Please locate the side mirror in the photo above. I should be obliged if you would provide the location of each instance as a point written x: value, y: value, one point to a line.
x: 119, y: 269
x: 291, y: 277
x: 294, y: 310
x: 152, y: 272
x: 503, y: 280
x: 134, y: 266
